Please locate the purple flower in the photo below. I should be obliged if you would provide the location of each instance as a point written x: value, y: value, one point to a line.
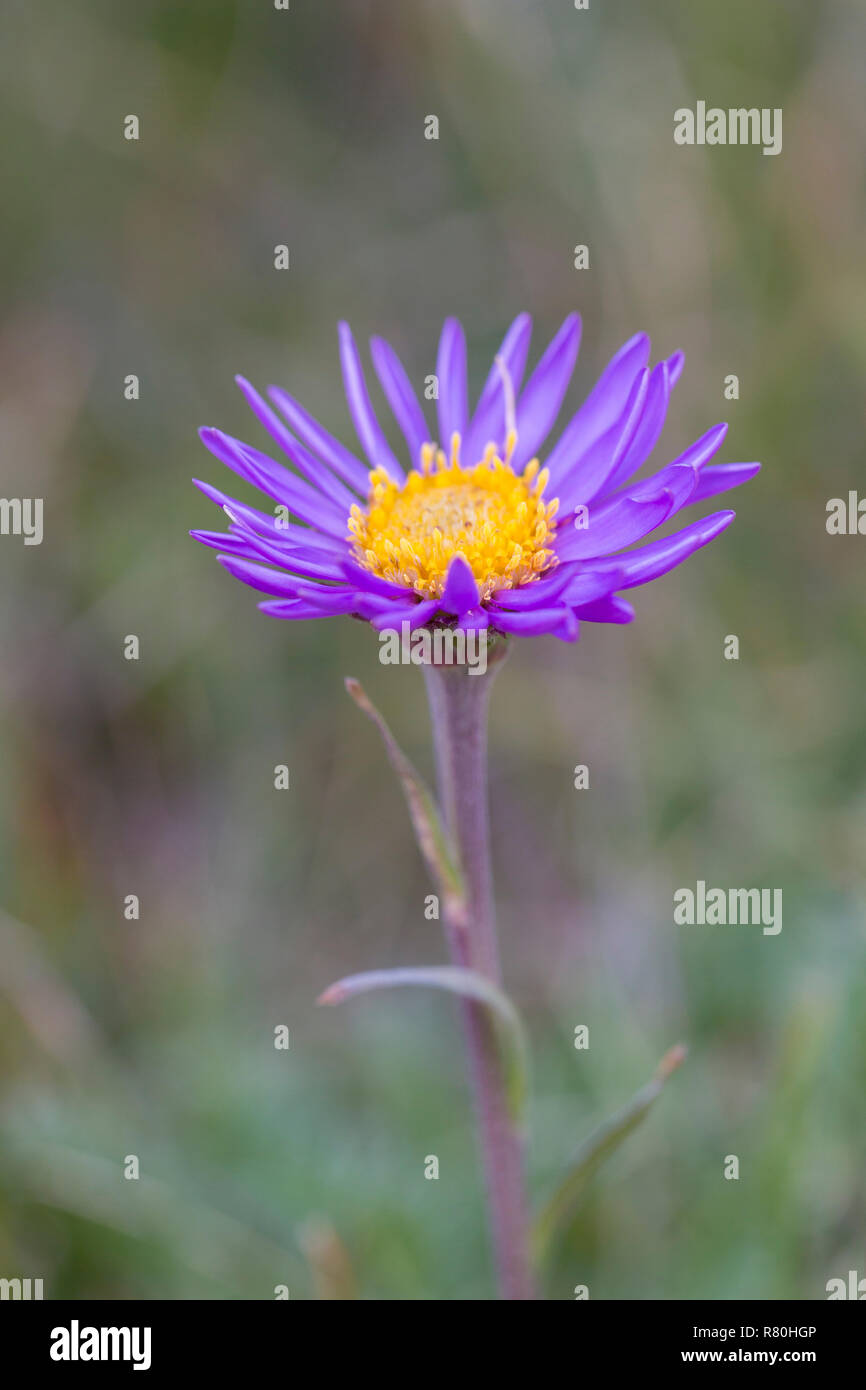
x: 476, y: 533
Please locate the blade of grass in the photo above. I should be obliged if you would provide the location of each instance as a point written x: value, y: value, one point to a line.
x: 596, y: 1149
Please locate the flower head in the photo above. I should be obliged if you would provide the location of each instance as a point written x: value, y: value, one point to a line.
x: 477, y: 532
x: 495, y: 519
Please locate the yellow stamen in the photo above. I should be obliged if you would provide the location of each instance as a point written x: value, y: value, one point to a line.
x: 496, y: 518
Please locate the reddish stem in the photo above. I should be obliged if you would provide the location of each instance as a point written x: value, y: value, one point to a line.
x: 458, y: 708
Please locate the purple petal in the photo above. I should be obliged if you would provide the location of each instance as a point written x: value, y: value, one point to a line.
x: 460, y: 592
x: 678, y: 480
x: 607, y: 398
x: 675, y: 367
x: 300, y: 540
x: 724, y: 476
x: 330, y: 597
x: 276, y: 481
x: 579, y: 475
x: 369, y: 431
x: 339, y: 604
x: 223, y: 540
x: 649, y: 429
x: 401, y: 397
x: 234, y: 453
x: 542, y: 395
x: 709, y: 443
x: 343, y: 462
x: 451, y: 375
x: 557, y: 622
x: 313, y: 469
x: 475, y: 620
x: 254, y: 518
x: 612, y: 526
x: 263, y: 523
x: 592, y: 583
x: 298, y: 560
x: 269, y: 581
x: 488, y: 422
x: 677, y: 483
x: 569, y: 582
x: 373, y: 583
x: 416, y: 615
x: 682, y: 476
x: 606, y: 610
x: 651, y: 561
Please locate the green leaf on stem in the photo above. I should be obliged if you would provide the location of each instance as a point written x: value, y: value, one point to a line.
x: 595, y: 1149
x: 431, y: 835
x: 469, y: 984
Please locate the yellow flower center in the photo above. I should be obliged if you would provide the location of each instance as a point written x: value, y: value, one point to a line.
x: 494, y: 517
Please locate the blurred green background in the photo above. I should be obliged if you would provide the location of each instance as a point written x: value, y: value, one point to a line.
x: 155, y: 1037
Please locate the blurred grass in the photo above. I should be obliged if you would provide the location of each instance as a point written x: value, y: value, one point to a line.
x: 155, y: 1037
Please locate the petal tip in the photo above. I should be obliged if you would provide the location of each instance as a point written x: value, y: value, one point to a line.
x: 460, y: 593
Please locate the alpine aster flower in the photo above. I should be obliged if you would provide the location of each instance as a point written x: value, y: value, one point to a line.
x: 476, y: 533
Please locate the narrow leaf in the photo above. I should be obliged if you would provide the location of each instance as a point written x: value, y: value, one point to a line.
x: 470, y: 985
x: 598, y: 1147
x: 430, y: 833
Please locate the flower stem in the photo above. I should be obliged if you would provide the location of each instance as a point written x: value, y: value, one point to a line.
x: 458, y: 707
